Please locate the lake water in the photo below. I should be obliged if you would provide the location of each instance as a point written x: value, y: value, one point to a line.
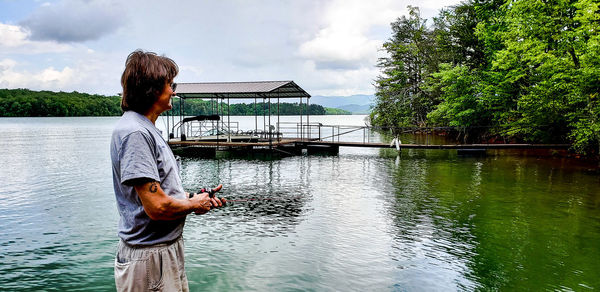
x: 365, y: 219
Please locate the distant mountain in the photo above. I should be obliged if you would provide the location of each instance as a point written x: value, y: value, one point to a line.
x: 337, y: 101
x: 357, y: 104
x: 356, y: 108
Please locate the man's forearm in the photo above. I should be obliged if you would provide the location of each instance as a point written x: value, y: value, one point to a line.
x: 160, y: 206
x: 171, y: 209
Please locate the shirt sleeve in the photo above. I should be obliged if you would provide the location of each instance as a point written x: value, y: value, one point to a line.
x: 138, y: 158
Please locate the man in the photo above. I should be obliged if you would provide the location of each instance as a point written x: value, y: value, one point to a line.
x: 146, y: 178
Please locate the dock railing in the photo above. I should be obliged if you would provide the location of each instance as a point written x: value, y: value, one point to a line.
x: 420, y: 137
x: 320, y: 132
x: 320, y: 135
x: 200, y: 128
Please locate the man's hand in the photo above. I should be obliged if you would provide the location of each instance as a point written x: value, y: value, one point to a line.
x: 211, y: 192
x: 215, y: 201
x: 215, y: 190
x: 202, y: 203
x: 207, y: 200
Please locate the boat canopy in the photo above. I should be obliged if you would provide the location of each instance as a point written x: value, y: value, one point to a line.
x: 202, y: 118
x: 237, y: 90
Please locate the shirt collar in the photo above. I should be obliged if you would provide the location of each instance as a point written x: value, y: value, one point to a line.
x: 143, y: 120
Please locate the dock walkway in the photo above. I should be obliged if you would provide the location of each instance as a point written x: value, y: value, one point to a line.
x: 441, y: 146
x: 329, y: 146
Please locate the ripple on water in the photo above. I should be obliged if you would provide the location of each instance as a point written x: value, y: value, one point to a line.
x: 362, y: 220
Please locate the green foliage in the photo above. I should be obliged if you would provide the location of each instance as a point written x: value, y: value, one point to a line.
x: 205, y: 107
x: 28, y: 103
x: 461, y: 106
x: 525, y: 70
x: 336, y: 111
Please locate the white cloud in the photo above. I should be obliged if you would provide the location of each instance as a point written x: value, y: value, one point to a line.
x: 435, y: 4
x: 344, y: 41
x: 48, y: 78
x: 96, y: 74
x: 15, y: 39
x: 341, y: 57
x: 54, y: 77
x: 194, y: 71
x: 12, y: 36
x: 336, y: 82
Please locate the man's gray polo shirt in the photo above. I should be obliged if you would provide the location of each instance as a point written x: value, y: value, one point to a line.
x: 138, y: 150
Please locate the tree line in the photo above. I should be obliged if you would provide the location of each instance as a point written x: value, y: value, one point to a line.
x: 194, y: 107
x: 516, y: 70
x: 29, y: 103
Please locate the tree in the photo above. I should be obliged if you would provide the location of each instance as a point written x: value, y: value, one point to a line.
x: 524, y: 70
x: 401, y: 99
x: 461, y: 106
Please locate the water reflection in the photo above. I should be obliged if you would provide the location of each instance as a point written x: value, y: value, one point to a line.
x: 54, y: 180
x: 268, y: 197
x: 495, y: 223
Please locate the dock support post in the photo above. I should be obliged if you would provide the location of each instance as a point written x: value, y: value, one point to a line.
x: 308, y: 116
x: 228, y: 119
x: 181, y: 119
x: 270, y: 127
x: 278, y: 123
x: 301, y: 136
x: 319, y: 131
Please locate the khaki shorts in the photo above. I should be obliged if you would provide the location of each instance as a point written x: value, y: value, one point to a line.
x: 154, y: 268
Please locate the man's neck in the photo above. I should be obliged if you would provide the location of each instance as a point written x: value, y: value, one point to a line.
x: 152, y: 116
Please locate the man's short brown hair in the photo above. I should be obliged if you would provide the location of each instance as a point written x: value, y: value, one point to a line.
x: 144, y: 79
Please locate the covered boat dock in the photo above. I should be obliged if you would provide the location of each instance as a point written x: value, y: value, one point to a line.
x: 205, y: 134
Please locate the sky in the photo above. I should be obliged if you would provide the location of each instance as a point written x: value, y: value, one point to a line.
x: 328, y: 47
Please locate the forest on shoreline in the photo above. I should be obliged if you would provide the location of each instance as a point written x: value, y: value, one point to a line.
x: 519, y: 70
x: 29, y: 103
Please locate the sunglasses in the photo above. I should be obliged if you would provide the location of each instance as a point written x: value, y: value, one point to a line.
x: 173, y: 86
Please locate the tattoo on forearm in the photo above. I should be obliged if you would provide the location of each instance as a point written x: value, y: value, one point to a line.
x: 153, y: 187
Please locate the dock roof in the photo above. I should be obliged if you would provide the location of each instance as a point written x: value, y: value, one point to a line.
x: 256, y: 89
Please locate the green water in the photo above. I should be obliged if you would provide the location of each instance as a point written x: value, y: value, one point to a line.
x: 516, y: 223
x: 365, y: 219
